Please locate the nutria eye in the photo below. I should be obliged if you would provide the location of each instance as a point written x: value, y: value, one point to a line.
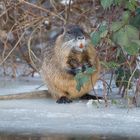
x: 68, y: 32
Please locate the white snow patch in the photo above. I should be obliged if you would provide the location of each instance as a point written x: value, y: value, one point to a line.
x: 66, y: 2
x: 138, y: 62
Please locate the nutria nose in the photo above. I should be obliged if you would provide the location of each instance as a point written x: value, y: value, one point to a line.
x: 80, y: 37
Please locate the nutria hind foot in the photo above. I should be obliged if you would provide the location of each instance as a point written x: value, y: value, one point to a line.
x: 89, y: 97
x: 63, y: 100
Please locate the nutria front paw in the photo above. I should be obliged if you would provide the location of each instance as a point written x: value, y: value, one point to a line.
x: 89, y: 97
x: 63, y: 100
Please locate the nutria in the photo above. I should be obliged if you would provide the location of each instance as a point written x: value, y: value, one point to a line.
x: 70, y: 52
x: 63, y: 56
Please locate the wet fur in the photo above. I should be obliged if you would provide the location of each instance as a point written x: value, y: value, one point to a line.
x: 57, y: 59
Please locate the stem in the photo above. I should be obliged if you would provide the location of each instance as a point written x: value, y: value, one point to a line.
x: 12, y: 49
x: 129, y: 81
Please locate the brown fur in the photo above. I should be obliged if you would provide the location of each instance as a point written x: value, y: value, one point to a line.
x: 56, y: 60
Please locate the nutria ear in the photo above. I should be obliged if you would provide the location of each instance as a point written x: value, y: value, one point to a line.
x: 58, y: 32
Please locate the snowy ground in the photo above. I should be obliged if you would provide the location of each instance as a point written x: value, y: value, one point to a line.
x: 43, y: 118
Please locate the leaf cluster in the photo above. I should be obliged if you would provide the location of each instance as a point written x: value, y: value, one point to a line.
x: 123, y: 34
x: 83, y: 77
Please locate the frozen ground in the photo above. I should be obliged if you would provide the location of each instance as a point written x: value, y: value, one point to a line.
x: 43, y: 117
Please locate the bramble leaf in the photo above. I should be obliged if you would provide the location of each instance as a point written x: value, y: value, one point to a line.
x: 135, y: 20
x: 102, y: 28
x: 104, y: 34
x: 106, y: 3
x: 131, y: 5
x: 121, y: 38
x: 137, y: 42
x: 114, y: 102
x: 125, y: 36
x: 90, y: 70
x: 132, y: 49
x: 81, y: 79
x: 117, y: 2
x: 95, y: 38
x: 110, y: 64
x: 126, y: 16
x: 116, y: 26
x: 132, y: 32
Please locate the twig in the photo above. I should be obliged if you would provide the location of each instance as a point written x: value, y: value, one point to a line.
x: 129, y: 81
x: 94, y: 90
x: 68, y: 11
x: 40, y: 86
x: 109, y: 86
x: 12, y: 49
x: 106, y: 83
x: 105, y: 98
x: 29, y: 49
x: 26, y: 95
x: 45, y: 10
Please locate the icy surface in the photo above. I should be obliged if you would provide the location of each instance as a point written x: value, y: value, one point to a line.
x: 45, y: 116
x: 20, y: 85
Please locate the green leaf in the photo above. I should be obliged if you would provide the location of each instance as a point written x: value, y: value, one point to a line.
x: 125, y: 35
x: 114, y: 102
x: 126, y: 16
x: 132, y: 49
x: 138, y: 10
x: 78, y: 76
x: 102, y: 28
x: 134, y: 2
x: 81, y: 79
x: 132, y: 32
x: 137, y: 42
x: 121, y: 38
x: 116, y: 26
x: 104, y: 34
x: 96, y: 103
x: 106, y: 3
x: 78, y: 86
x: 84, y: 79
x: 90, y: 70
x: 110, y: 42
x: 131, y: 5
x: 95, y: 38
x: 117, y: 2
x: 135, y: 20
x: 110, y: 64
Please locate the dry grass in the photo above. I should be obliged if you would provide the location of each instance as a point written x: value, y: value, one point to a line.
x: 22, y: 24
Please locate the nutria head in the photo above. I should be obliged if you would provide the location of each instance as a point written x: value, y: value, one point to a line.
x: 73, y: 37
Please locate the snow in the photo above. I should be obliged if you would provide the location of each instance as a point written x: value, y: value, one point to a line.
x: 80, y: 118
x: 66, y: 2
x: 138, y: 62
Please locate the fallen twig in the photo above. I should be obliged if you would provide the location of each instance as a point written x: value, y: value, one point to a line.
x: 26, y: 95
